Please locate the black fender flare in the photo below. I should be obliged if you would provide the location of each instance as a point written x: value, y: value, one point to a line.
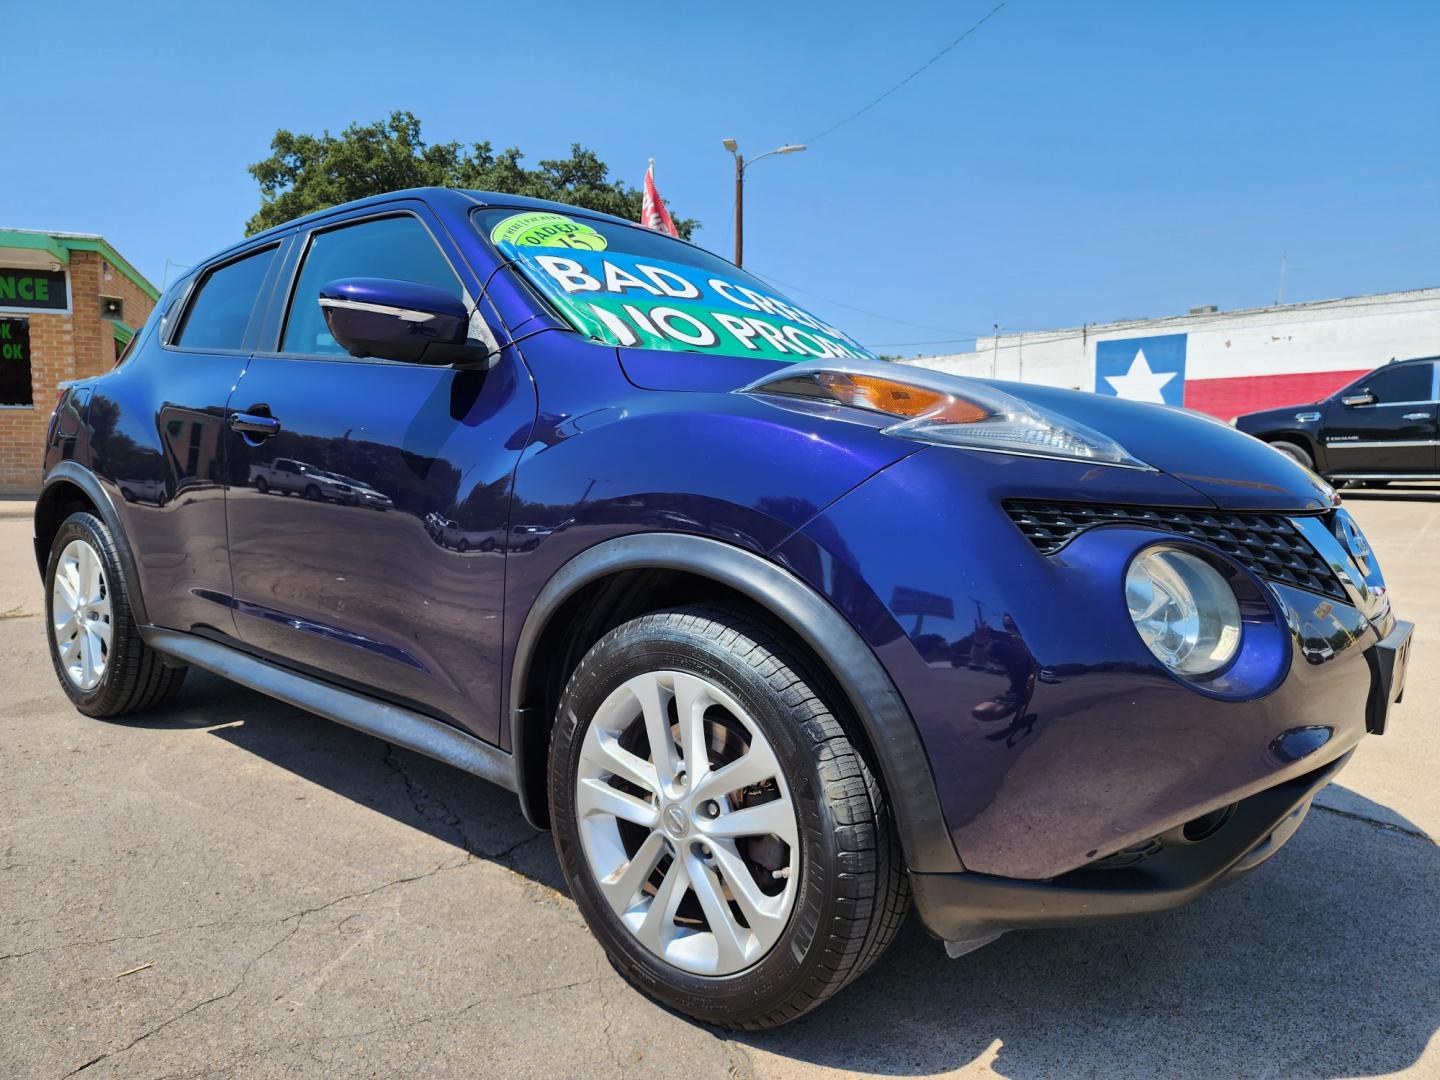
x: 72, y: 472
x: 869, y: 691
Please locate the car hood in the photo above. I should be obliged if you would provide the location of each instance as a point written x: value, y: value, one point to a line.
x: 1229, y: 467
x: 1226, y: 466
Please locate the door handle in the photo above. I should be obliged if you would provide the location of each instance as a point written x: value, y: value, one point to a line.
x: 254, y: 424
x: 1416, y: 416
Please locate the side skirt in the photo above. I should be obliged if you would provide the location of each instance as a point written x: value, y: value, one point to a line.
x: 412, y: 730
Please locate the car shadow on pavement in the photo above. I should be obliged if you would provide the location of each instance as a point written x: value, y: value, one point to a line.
x: 1325, y: 963
x: 451, y: 805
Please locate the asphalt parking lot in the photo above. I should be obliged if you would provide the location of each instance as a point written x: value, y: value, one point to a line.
x: 231, y: 887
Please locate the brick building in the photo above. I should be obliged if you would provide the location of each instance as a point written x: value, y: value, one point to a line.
x: 69, y: 304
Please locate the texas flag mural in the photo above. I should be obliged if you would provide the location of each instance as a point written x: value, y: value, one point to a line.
x: 1142, y: 369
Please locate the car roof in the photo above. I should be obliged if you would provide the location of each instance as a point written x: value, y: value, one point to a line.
x: 455, y: 196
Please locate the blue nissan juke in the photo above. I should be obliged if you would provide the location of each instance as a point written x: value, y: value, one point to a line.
x: 773, y: 636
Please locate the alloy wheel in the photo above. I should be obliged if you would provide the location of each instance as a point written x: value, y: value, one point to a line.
x: 81, y: 615
x: 687, y: 823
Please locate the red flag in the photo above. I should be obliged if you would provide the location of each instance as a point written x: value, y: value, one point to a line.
x: 653, y: 214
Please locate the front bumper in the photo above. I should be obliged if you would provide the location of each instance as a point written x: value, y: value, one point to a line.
x: 968, y: 907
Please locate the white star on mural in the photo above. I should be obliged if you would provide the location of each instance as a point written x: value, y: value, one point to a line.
x: 1140, y: 383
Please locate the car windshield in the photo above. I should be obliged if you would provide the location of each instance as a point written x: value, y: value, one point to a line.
x: 626, y: 285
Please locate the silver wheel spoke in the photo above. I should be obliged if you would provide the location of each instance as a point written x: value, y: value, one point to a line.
x: 653, y: 706
x: 765, y: 914
x: 756, y: 765
x: 621, y: 887
x: 729, y: 935
x: 692, y: 698
x: 605, y: 753
x: 87, y: 661
x: 69, y: 648
x: 89, y: 573
x: 101, y: 629
x: 657, y: 929
x: 768, y: 819
x: 598, y: 797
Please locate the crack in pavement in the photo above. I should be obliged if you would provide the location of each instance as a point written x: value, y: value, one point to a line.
x: 430, y: 807
x: 402, y: 1025
x: 297, y: 917
x: 244, y: 974
x: 1390, y: 826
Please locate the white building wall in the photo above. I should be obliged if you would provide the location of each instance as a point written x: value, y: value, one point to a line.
x: 1352, y: 334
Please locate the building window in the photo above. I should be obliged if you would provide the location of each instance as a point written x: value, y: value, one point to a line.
x: 15, y: 389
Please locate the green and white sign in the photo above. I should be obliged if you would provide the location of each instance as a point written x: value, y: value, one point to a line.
x: 635, y: 302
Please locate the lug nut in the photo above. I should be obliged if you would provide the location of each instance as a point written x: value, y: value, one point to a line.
x: 712, y: 808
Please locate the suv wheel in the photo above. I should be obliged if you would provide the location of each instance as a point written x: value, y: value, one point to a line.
x: 102, y: 664
x: 1295, y: 452
x: 720, y: 832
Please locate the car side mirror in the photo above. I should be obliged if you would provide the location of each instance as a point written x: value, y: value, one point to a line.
x: 398, y: 320
x: 1365, y: 397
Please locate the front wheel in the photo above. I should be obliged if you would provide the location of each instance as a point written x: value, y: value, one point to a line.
x: 720, y: 832
x: 102, y: 663
x: 1295, y: 452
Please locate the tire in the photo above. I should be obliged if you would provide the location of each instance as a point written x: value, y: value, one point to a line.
x: 132, y: 676
x: 312, y: 493
x: 463, y: 546
x: 1295, y: 452
x: 262, y: 485
x: 837, y: 895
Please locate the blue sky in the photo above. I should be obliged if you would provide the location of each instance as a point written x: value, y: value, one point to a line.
x: 1070, y: 162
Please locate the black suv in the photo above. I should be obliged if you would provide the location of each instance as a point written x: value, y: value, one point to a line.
x: 1381, y: 427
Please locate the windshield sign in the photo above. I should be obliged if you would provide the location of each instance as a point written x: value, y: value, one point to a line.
x: 630, y: 287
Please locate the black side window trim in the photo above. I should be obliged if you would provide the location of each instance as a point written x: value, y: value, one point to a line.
x: 272, y: 347
x: 200, y: 278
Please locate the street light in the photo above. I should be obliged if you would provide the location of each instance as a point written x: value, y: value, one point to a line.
x: 740, y: 165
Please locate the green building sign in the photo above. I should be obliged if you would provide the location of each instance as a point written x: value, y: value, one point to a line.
x: 33, y: 290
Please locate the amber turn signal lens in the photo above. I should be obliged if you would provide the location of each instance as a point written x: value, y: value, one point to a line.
x: 897, y: 398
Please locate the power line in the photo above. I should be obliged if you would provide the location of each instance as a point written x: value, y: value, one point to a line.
x: 866, y: 108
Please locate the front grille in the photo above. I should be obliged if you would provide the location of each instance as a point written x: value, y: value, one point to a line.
x: 1268, y: 544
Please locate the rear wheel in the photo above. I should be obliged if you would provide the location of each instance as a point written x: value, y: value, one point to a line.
x: 262, y: 485
x: 102, y: 664
x: 1295, y: 452
x: 312, y: 493
x: 719, y: 830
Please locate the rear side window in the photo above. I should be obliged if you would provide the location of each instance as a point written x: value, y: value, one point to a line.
x: 1408, y: 383
x: 221, y: 309
x: 395, y: 247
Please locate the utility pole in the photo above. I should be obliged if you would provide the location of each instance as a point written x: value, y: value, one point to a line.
x: 740, y: 166
x: 995, y: 353
x: 1280, y: 299
x: 739, y: 209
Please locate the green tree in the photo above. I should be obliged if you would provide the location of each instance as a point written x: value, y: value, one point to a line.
x: 305, y: 173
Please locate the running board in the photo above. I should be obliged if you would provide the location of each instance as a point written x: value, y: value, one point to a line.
x: 412, y: 730
x: 1383, y: 476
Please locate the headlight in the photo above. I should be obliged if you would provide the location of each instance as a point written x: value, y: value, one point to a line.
x: 1185, y: 611
x: 949, y: 409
